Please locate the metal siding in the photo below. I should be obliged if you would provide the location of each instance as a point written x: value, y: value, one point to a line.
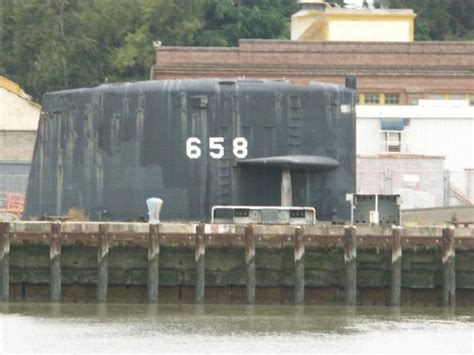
x: 368, y: 136
x: 453, y: 138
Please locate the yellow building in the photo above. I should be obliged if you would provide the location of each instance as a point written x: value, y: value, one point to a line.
x: 19, y: 116
x: 317, y: 20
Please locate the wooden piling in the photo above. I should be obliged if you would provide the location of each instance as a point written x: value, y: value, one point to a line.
x: 250, y: 264
x: 55, y: 262
x: 4, y: 262
x: 153, y: 263
x: 350, y: 261
x: 299, y: 266
x: 102, y: 263
x: 200, y: 251
x: 449, y: 274
x: 396, y: 283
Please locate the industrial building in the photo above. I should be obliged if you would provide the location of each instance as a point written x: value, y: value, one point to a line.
x: 19, y: 116
x: 317, y: 20
x: 391, y: 69
x: 392, y: 73
x: 414, y: 98
x: 424, y: 152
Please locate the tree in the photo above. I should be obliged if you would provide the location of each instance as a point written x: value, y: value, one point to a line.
x: 381, y: 4
x: 48, y: 45
x: 439, y: 20
x: 461, y: 19
x: 341, y: 3
x: 2, y: 37
x: 221, y: 25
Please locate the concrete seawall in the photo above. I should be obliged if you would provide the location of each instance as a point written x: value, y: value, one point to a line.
x: 186, y: 262
x: 438, y: 216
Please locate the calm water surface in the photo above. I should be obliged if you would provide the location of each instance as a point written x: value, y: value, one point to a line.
x: 73, y: 328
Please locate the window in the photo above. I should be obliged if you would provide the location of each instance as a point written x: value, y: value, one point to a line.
x: 445, y: 96
x: 456, y: 97
x: 372, y: 99
x: 392, y: 130
x: 378, y: 98
x: 471, y: 99
x: 393, y: 141
x: 392, y: 99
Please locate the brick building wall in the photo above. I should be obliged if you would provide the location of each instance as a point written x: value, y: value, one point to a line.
x: 413, y: 70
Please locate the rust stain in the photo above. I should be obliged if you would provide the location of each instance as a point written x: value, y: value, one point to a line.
x: 103, y: 247
x: 55, y: 240
x: 299, y: 243
x: 396, y: 244
x: 249, y: 244
x: 55, y: 246
x: 350, y: 250
x: 4, y: 239
x: 200, y: 248
x: 447, y: 244
x: 38, y: 233
x: 324, y: 240
x: 153, y: 241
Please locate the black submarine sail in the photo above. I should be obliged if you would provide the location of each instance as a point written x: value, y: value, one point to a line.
x: 194, y: 144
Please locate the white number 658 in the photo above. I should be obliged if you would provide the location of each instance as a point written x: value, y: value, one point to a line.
x: 192, y: 148
x: 216, y: 147
x: 240, y: 147
x: 215, y: 143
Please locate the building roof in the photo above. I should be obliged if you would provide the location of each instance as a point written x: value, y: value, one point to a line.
x: 416, y: 111
x: 14, y: 88
x: 437, y: 58
x: 318, y: 20
x: 17, y: 109
x: 307, y: 5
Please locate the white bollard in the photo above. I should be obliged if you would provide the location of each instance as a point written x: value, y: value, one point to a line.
x: 154, y: 208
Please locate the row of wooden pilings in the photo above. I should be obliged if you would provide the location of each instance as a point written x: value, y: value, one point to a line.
x: 350, y: 261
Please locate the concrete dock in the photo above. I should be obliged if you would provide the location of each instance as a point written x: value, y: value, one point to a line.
x: 216, y: 263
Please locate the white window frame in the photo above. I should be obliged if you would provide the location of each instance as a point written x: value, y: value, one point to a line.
x: 393, y: 145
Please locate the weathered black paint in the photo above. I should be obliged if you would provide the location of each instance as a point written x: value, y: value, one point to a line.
x: 107, y: 149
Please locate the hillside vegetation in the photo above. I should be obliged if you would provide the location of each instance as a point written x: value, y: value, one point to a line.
x: 48, y: 45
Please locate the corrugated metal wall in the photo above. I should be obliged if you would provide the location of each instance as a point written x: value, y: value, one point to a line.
x: 14, y: 176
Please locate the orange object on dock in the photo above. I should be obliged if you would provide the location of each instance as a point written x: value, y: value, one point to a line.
x: 13, y: 203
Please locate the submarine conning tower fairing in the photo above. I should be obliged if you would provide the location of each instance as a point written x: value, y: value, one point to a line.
x: 194, y: 144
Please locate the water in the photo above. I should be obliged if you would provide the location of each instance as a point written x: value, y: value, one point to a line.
x: 79, y: 328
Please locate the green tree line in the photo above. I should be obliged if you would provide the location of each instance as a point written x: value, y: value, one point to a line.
x: 440, y: 20
x: 57, y: 44
x: 48, y: 45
